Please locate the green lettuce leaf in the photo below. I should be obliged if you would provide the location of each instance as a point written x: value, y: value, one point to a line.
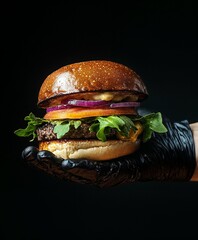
x: 100, y: 125
x: 63, y: 127
x: 152, y: 123
x: 32, y: 125
x: 103, y: 126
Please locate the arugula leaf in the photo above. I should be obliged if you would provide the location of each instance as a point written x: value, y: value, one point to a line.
x: 128, y: 125
x: 104, y: 124
x: 63, y: 127
x: 33, y: 123
x: 123, y: 124
x: 100, y: 125
x: 152, y: 123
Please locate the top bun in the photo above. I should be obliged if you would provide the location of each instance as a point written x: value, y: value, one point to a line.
x: 82, y: 80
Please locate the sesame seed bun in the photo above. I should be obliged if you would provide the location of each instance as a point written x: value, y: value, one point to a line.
x: 87, y: 80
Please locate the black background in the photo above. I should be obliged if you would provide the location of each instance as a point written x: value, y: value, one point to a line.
x: 158, y: 39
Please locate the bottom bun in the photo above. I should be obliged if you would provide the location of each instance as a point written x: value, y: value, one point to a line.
x: 89, y: 149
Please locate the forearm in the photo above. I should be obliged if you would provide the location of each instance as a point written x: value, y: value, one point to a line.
x: 194, y: 127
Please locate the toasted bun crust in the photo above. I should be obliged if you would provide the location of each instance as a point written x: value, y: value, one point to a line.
x: 92, y: 150
x: 79, y: 79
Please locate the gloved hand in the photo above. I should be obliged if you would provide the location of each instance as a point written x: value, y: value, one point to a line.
x: 165, y: 157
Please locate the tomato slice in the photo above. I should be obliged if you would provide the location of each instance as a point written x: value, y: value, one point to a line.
x: 81, y: 112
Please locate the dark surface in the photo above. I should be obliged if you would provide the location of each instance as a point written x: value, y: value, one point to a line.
x: 158, y: 39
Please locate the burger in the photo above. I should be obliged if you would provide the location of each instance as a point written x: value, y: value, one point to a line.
x: 90, y: 112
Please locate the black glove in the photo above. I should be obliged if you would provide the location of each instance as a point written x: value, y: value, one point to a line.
x: 165, y: 157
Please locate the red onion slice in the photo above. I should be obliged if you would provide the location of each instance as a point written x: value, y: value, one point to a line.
x: 124, y: 104
x: 88, y: 103
x: 92, y: 104
x: 58, y: 107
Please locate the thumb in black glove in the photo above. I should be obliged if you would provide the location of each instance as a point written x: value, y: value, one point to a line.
x: 165, y: 157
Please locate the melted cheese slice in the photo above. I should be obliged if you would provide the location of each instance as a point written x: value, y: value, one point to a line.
x: 114, y: 96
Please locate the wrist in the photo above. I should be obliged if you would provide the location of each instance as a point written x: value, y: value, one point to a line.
x: 194, y: 128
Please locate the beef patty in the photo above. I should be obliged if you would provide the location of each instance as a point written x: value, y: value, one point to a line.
x: 46, y: 132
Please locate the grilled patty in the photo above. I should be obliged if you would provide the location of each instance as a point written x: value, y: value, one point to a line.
x: 46, y: 133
